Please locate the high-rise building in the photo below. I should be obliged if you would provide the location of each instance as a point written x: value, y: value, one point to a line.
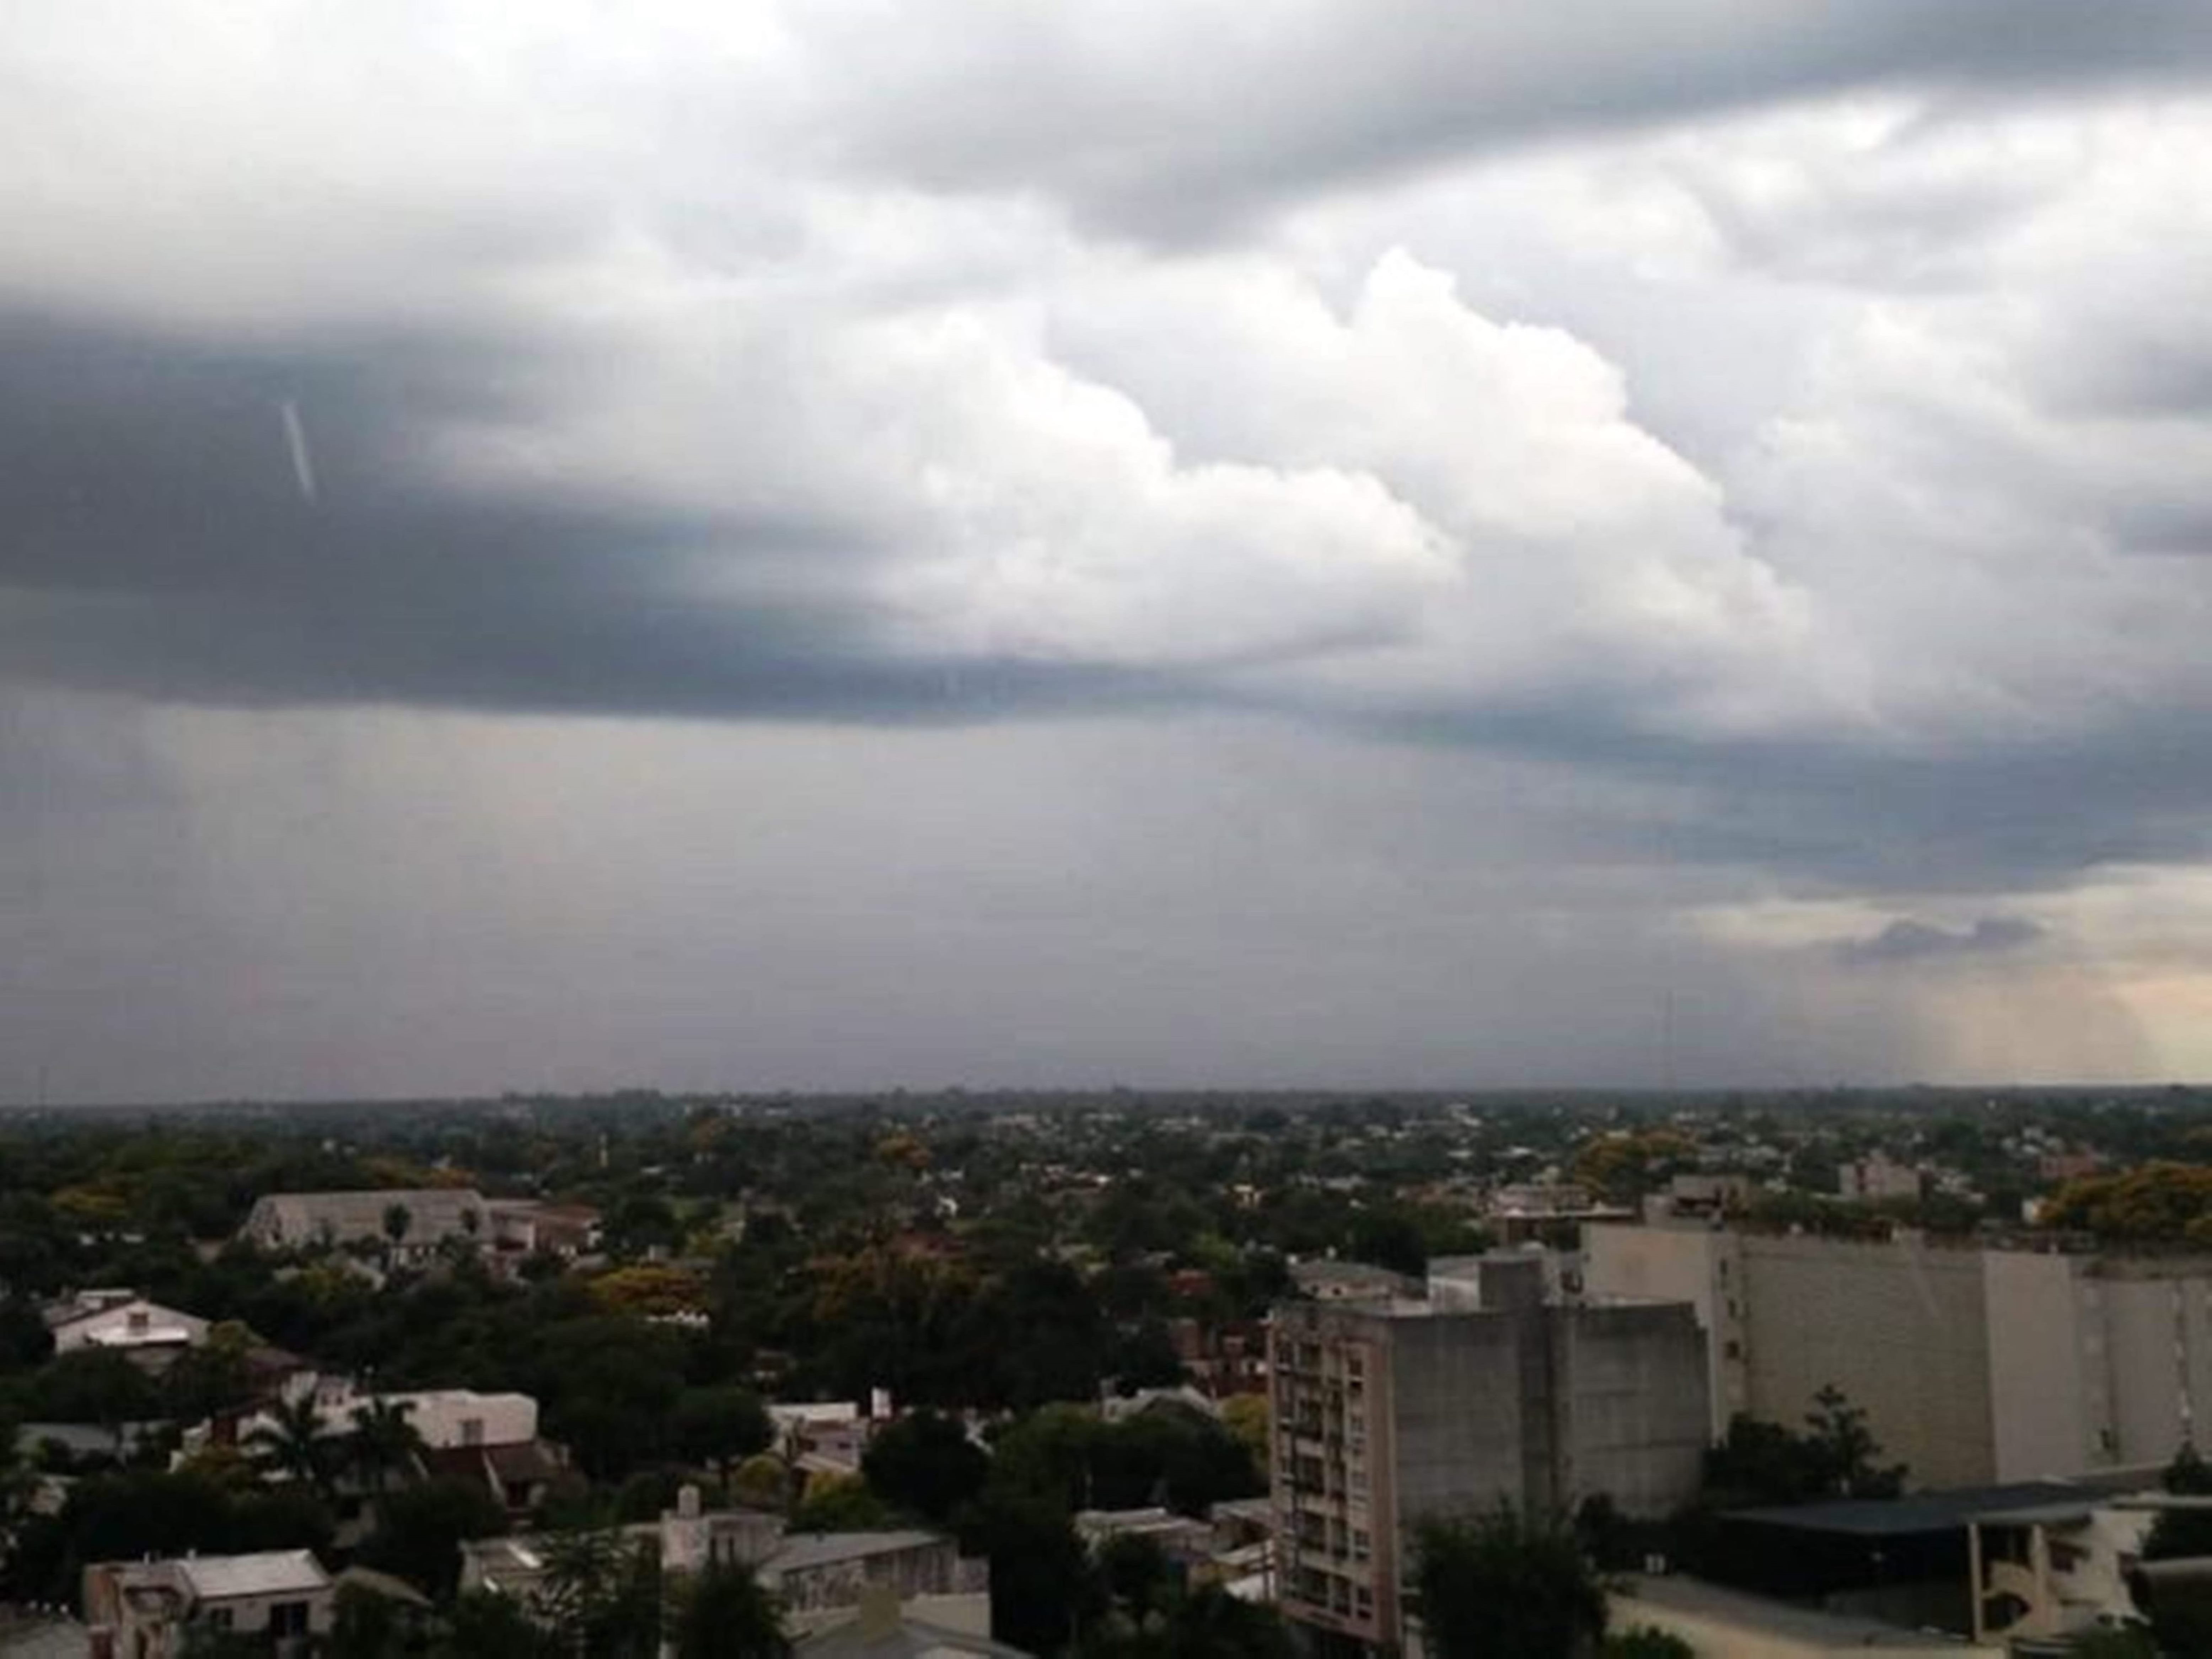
x: 1390, y: 1412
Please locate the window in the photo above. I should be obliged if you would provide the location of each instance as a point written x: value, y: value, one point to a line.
x: 288, y: 1619
x: 472, y: 1431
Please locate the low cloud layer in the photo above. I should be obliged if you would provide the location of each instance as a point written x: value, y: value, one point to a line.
x: 1907, y: 941
x: 1771, y: 446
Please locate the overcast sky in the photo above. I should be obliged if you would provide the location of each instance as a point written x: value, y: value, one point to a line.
x: 844, y: 544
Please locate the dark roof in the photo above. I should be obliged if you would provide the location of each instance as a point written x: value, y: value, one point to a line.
x: 1918, y: 1513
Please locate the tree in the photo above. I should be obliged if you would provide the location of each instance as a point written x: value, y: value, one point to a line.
x: 926, y: 1464
x: 420, y: 1530
x: 1505, y: 1586
x: 1836, y: 1456
x: 398, y: 1218
x: 93, y: 1385
x: 488, y: 1625
x: 717, y: 1426
x: 1647, y: 1642
x: 212, y: 1377
x: 367, y: 1625
x: 1041, y: 1585
x: 291, y: 1441
x: 1848, y: 1450
x: 724, y: 1614
x: 2178, y: 1534
x: 763, y: 1481
x: 1247, y: 1418
x: 384, y: 1441
x: 602, y: 1594
x: 838, y: 1503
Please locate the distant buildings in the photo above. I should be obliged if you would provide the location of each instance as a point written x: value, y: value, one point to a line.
x: 1878, y: 1179
x: 1973, y: 1365
x: 281, y: 1602
x: 1391, y: 1412
x: 410, y: 1226
x: 412, y: 1222
x: 817, y: 1577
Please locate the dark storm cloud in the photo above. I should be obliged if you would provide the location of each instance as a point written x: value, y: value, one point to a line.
x: 159, y: 543
x: 162, y: 540
x: 1231, y: 113
x: 1906, y: 940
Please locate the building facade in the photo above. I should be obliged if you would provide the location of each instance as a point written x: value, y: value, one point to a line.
x: 1974, y: 1365
x: 1390, y: 1413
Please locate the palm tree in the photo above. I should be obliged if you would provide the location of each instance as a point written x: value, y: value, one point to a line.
x: 291, y: 1441
x: 384, y: 1441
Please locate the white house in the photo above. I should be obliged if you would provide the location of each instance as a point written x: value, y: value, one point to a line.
x: 152, y: 1609
x: 121, y: 1320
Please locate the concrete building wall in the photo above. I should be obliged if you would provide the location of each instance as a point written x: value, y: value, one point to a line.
x: 2146, y: 1332
x: 1698, y: 1264
x: 2044, y: 1413
x: 1460, y: 1415
x: 1637, y: 1415
x: 1899, y: 1327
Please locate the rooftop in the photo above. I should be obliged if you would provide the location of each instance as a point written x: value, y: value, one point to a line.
x: 272, y: 1572
x: 1920, y: 1513
x: 1802, y: 1629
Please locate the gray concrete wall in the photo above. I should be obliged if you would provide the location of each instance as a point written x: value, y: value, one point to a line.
x: 1633, y: 1383
x: 2044, y: 1414
x: 1457, y: 1422
x: 2145, y: 1323
x: 1696, y: 1264
x: 1899, y: 1327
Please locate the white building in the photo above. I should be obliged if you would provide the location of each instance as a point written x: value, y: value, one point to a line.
x: 424, y: 1218
x: 121, y: 1320
x: 1878, y: 1179
x: 155, y: 1609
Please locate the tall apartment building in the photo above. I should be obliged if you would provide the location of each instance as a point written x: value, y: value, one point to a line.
x: 1390, y: 1413
x: 1974, y: 1365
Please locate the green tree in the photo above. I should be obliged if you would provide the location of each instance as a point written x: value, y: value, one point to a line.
x: 1647, y: 1642
x: 1042, y: 1590
x: 420, y: 1530
x: 925, y: 1464
x: 486, y: 1625
x: 291, y: 1441
x: 717, y: 1426
x: 602, y: 1594
x: 93, y: 1385
x: 1848, y: 1450
x: 839, y: 1503
x: 1505, y: 1586
x: 723, y: 1613
x: 384, y: 1443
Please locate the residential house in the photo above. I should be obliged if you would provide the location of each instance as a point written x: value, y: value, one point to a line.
x: 157, y: 1609
x: 123, y: 1322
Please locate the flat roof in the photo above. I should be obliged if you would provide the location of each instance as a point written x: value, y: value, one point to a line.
x: 1918, y: 1513
x: 273, y: 1572
x: 1782, y: 1620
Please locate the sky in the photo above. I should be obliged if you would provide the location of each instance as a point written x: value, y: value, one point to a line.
x: 829, y: 544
